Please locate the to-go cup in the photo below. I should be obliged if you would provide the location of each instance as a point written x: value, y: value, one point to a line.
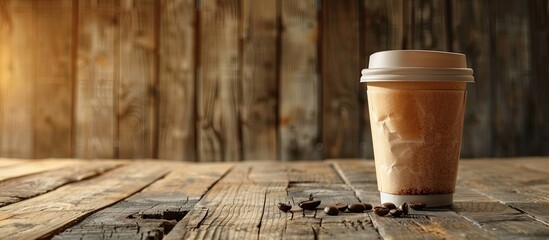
x: 416, y: 101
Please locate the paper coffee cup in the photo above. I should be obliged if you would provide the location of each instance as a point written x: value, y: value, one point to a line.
x: 416, y: 101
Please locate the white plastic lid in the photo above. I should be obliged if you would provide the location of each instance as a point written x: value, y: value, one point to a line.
x: 417, y: 65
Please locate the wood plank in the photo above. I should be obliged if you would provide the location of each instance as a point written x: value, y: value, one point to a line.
x: 299, y: 81
x: 539, y: 110
x: 341, y: 107
x: 21, y: 188
x: 17, y: 75
x: 470, y: 17
x: 33, y: 167
x: 41, y: 216
x: 176, y: 96
x: 218, y: 81
x: 137, y: 76
x: 97, y: 77
x: 53, y: 76
x: 243, y: 205
x: 381, y: 29
x: 442, y: 223
x: 512, y: 68
x: 151, y: 213
x: 258, y: 110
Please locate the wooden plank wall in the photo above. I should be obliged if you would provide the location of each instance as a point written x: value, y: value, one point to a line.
x: 229, y: 80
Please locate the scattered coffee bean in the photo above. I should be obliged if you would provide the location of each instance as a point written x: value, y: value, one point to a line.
x: 356, y: 207
x: 341, y: 207
x: 284, y: 207
x: 367, y: 206
x: 396, y: 212
x: 309, y: 204
x: 381, y: 211
x: 404, y: 208
x: 389, y: 205
x: 417, y: 205
x: 331, y: 210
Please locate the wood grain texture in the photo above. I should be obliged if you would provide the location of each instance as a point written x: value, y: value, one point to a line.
x: 53, y: 78
x: 470, y: 17
x: 512, y: 67
x: 137, y: 78
x: 11, y: 161
x: 219, y: 81
x: 381, y: 29
x: 32, y: 167
x: 151, y: 213
x: 25, y: 187
x: 539, y: 115
x: 97, y: 77
x: 40, y: 216
x: 17, y: 78
x: 259, y: 103
x: 341, y: 108
x: 299, y: 100
x: 176, y: 86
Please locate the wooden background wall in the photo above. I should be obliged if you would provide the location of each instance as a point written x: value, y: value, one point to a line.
x: 224, y: 80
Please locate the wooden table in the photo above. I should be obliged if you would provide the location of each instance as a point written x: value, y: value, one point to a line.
x: 75, y: 199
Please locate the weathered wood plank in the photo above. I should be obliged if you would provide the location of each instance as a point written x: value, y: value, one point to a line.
x: 137, y: 75
x: 381, y: 29
x: 40, y: 216
x: 429, y: 27
x: 341, y: 107
x: 21, y: 188
x: 218, y: 81
x: 176, y: 86
x: 470, y: 17
x: 151, y: 213
x: 299, y: 106
x: 97, y: 78
x: 258, y: 110
x: 512, y: 69
x: 17, y: 74
x: 53, y: 78
x: 32, y: 167
x: 539, y: 115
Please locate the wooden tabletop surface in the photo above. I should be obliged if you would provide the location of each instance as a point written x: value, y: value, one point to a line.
x: 77, y: 199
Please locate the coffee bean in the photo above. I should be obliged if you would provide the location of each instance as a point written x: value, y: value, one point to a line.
x: 381, y: 211
x: 396, y: 212
x: 417, y: 205
x: 341, y: 207
x: 389, y: 205
x: 404, y: 208
x: 356, y: 207
x: 284, y: 207
x: 309, y: 204
x: 367, y: 206
x: 331, y: 210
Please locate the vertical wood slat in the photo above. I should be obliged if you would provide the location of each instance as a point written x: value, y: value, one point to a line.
x: 511, y: 71
x: 176, y: 106
x: 136, y: 68
x: 382, y: 29
x: 299, y: 108
x: 341, y: 107
x: 469, y: 28
x: 539, y: 39
x: 97, y: 76
x: 53, y: 78
x: 218, y: 81
x: 429, y: 25
x: 17, y: 38
x: 258, y: 110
